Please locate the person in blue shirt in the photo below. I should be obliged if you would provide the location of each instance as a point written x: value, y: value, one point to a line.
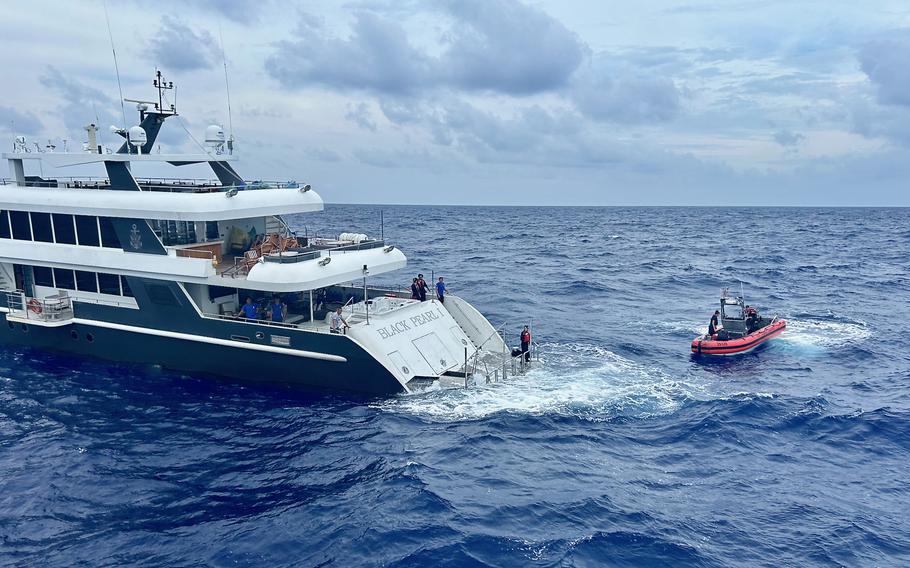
x: 441, y: 290
x: 278, y: 309
x: 249, y: 310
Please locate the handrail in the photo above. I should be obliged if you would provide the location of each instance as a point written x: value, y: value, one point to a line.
x: 285, y: 226
x: 194, y: 253
x: 154, y: 184
x: 284, y: 258
x: 278, y: 324
x: 40, y: 309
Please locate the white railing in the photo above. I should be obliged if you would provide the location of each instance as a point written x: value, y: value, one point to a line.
x: 50, y: 309
x: 156, y: 184
x: 316, y: 327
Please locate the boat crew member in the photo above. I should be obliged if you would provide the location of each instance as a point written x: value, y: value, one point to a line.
x: 415, y: 290
x: 249, y: 310
x: 337, y: 324
x: 278, y: 310
x: 441, y: 290
x: 751, y: 319
x: 422, y: 288
x: 526, y: 343
x: 713, y: 326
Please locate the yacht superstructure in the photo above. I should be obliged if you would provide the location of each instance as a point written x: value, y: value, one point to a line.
x: 157, y: 270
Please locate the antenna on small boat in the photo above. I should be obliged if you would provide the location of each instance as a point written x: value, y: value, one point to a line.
x: 110, y: 35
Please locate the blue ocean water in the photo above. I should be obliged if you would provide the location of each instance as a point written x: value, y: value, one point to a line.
x: 618, y: 449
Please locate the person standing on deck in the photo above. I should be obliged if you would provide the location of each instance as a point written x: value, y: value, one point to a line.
x: 441, y: 290
x: 415, y: 290
x: 713, y: 325
x: 337, y: 323
x: 422, y: 288
x: 278, y: 310
x: 526, y: 343
x: 249, y: 310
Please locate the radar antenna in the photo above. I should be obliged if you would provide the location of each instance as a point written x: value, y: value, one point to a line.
x: 162, y: 86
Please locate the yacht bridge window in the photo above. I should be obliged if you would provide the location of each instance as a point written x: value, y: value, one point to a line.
x: 58, y: 228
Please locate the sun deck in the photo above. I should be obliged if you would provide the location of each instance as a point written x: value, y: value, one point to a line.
x: 168, y: 185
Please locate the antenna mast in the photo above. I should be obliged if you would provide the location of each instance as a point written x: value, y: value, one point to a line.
x: 116, y: 66
x: 227, y: 89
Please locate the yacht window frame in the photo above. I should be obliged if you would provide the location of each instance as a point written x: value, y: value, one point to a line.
x: 13, y: 228
x: 5, y: 224
x: 50, y: 221
x: 57, y: 283
x: 63, y: 222
x: 90, y: 233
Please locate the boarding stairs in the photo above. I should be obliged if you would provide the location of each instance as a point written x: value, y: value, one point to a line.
x: 493, y: 359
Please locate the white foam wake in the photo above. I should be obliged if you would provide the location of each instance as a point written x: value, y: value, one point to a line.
x: 572, y: 379
x: 823, y: 335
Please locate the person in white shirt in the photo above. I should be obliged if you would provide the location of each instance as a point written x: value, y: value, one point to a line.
x: 337, y: 324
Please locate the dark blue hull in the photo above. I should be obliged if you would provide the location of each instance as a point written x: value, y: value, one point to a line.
x: 245, y: 351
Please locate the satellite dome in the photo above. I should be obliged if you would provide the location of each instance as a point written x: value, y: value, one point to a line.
x: 137, y: 136
x: 214, y: 135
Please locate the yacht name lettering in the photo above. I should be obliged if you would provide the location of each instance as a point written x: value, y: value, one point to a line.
x: 393, y: 329
x: 423, y: 318
x: 402, y: 326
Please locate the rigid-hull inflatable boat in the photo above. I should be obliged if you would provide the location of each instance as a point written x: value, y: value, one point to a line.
x: 741, y: 329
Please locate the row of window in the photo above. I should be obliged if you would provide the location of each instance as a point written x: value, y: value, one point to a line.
x: 83, y: 230
x: 82, y: 280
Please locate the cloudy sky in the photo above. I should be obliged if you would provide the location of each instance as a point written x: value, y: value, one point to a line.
x: 567, y: 102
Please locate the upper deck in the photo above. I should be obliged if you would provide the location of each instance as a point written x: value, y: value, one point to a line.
x: 179, y: 199
x: 120, y: 193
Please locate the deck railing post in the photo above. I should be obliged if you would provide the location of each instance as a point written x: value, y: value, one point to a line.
x: 312, y: 311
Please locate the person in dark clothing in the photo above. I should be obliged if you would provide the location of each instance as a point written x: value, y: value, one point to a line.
x: 713, y: 325
x: 526, y: 343
x: 751, y: 319
x: 422, y: 288
x: 415, y: 290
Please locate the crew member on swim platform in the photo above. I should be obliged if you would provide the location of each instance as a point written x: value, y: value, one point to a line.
x: 249, y: 310
x: 415, y: 290
x: 278, y: 309
x: 441, y: 290
x: 526, y: 343
x: 422, y: 288
x: 713, y: 325
x: 337, y: 324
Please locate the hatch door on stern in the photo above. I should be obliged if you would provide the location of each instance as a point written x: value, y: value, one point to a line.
x: 434, y: 352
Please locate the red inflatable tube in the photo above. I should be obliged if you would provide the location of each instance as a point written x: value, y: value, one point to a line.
x: 703, y: 346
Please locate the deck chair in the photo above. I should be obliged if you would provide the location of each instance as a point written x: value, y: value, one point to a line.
x: 289, y: 243
x: 270, y: 245
x: 250, y: 258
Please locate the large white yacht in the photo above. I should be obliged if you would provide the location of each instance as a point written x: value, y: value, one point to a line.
x: 157, y: 270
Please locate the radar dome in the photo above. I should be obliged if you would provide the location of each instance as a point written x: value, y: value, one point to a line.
x: 214, y: 135
x: 137, y: 136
